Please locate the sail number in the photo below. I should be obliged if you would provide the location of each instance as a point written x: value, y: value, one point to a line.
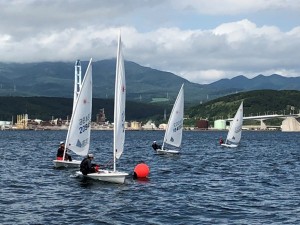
x: 85, y: 123
x: 84, y: 127
x: 238, y: 129
x: 177, y: 125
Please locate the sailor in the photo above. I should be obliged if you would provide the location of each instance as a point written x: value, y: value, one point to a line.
x: 155, y: 146
x: 60, y: 152
x: 87, y: 166
x: 221, y: 141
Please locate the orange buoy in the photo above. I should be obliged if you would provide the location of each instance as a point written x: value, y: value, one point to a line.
x: 141, y: 170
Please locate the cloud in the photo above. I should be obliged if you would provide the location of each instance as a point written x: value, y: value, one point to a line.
x: 230, y: 49
x: 35, y: 31
x: 203, y: 76
x: 241, y: 30
x: 233, y: 7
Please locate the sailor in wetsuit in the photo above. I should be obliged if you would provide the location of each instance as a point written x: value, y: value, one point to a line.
x: 155, y: 146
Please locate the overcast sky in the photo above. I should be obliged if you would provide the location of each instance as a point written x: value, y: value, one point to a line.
x: 199, y: 40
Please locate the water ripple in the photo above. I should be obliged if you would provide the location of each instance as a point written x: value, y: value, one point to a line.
x: 258, y: 183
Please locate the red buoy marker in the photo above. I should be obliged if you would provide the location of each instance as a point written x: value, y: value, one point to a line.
x: 141, y: 170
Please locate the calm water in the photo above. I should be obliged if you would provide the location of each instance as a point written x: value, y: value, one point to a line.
x: 258, y: 183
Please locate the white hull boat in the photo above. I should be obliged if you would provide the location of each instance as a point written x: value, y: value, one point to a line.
x: 235, y: 131
x: 229, y: 145
x: 66, y: 164
x: 106, y: 176
x: 173, y: 134
x: 166, y: 151
x: 78, y: 137
x: 115, y: 176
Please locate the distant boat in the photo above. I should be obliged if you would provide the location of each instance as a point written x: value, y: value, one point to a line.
x: 173, y: 134
x: 115, y: 176
x: 235, y: 131
x: 78, y: 137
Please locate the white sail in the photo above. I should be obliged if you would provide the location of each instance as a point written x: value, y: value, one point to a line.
x: 235, y: 131
x: 119, y: 129
x: 78, y: 137
x: 119, y: 107
x: 173, y: 134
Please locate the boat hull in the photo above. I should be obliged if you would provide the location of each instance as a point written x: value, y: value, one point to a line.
x: 66, y: 164
x: 106, y: 176
x: 229, y: 145
x: 166, y: 151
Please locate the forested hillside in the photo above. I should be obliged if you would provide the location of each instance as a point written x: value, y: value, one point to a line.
x: 255, y: 103
x: 47, y: 107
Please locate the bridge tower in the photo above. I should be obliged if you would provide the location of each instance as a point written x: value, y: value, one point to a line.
x: 77, y: 81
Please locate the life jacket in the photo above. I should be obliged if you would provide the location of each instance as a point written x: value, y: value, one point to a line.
x: 59, y: 158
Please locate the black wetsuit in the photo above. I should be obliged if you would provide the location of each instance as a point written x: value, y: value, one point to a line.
x: 60, y: 152
x: 87, y: 167
x: 156, y: 146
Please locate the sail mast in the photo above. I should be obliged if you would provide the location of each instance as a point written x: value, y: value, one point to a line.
x: 116, y: 101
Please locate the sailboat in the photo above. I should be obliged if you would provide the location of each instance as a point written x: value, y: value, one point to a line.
x: 173, y: 134
x: 235, y: 131
x: 78, y: 137
x: 114, y: 176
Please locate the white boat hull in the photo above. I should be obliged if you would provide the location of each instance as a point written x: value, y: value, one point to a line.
x: 66, y: 164
x: 166, y: 151
x: 229, y: 145
x: 106, y: 176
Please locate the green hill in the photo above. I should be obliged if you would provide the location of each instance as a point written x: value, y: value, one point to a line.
x: 255, y: 103
x: 47, y: 107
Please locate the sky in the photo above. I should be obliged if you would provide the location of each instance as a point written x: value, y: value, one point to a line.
x: 200, y: 40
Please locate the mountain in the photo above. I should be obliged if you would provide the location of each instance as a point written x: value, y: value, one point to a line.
x: 56, y: 79
x: 242, y: 83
